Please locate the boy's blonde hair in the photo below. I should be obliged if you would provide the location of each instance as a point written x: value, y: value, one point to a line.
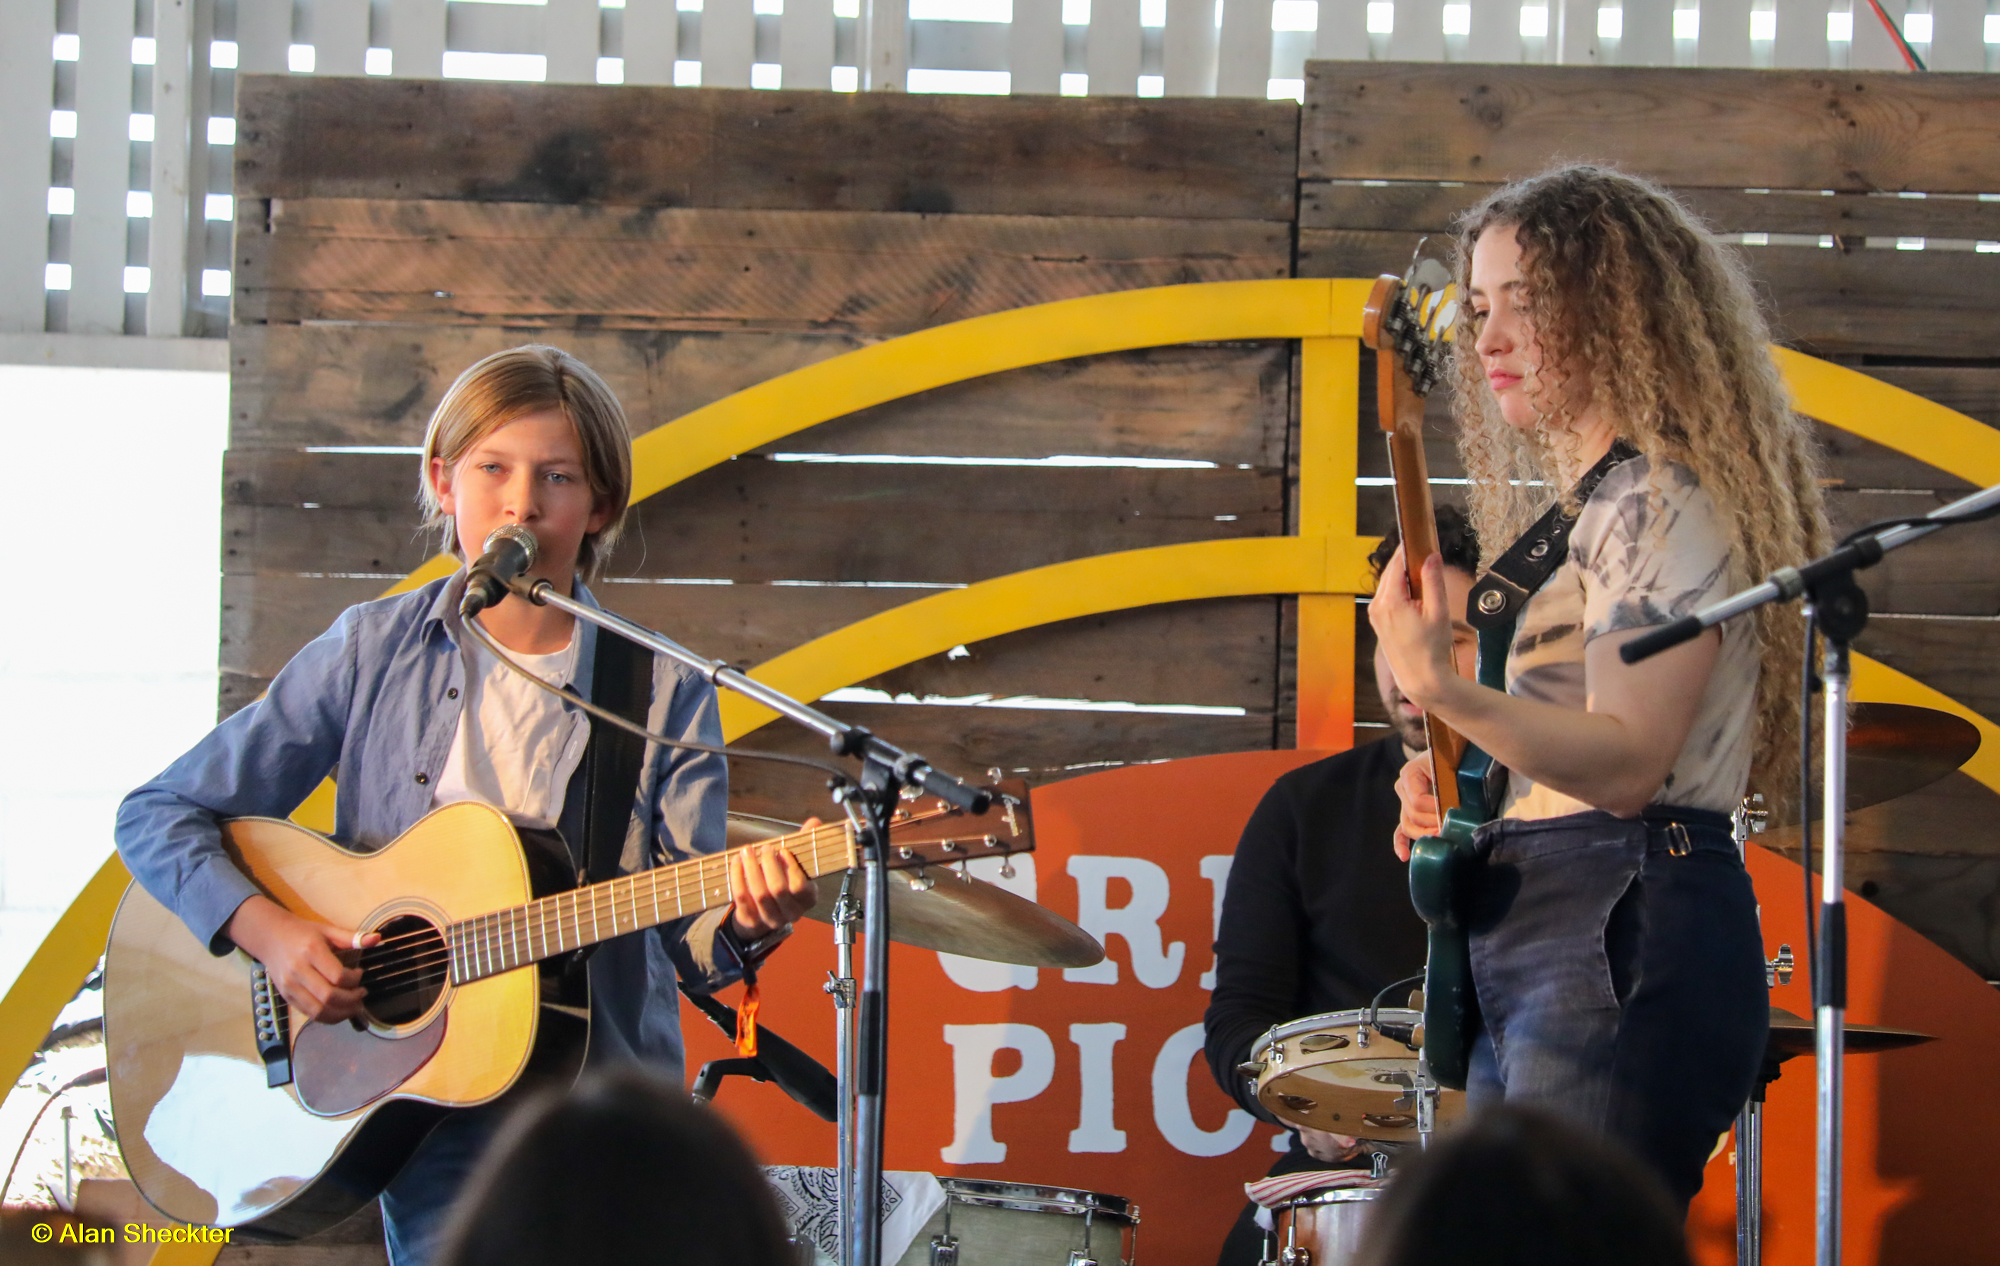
x: 513, y: 384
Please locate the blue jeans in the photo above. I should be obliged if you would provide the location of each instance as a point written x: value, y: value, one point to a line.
x: 417, y: 1202
x: 1620, y: 974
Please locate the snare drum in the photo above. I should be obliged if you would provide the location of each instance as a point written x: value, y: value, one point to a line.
x: 986, y: 1223
x: 1333, y: 1072
x: 1320, y: 1229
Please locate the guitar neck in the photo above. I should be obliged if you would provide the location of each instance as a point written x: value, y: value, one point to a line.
x: 1402, y: 413
x: 590, y: 913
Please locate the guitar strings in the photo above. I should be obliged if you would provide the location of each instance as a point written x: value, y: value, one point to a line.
x: 811, y: 838
x: 502, y: 932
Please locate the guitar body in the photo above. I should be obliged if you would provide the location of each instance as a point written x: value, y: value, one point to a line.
x: 1441, y: 873
x: 209, y: 1141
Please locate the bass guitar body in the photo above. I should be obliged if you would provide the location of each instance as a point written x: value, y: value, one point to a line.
x: 209, y: 1138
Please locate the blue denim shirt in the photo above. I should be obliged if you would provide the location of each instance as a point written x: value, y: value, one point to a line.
x: 378, y: 696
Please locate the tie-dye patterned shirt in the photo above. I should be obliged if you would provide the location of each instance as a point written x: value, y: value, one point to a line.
x: 1640, y: 556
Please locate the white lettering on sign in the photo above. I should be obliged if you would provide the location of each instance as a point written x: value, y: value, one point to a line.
x: 1137, y: 921
x: 1171, y: 1111
x: 1096, y: 1130
x: 975, y: 1089
x: 977, y: 974
x: 1215, y: 869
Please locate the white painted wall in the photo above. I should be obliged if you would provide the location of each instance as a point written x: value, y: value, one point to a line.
x: 112, y: 519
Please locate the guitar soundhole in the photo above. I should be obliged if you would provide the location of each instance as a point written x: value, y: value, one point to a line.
x: 404, y: 974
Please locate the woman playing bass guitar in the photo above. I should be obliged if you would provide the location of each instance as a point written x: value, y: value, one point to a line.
x: 1605, y: 341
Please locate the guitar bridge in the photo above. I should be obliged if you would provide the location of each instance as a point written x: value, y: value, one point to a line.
x: 273, y: 1019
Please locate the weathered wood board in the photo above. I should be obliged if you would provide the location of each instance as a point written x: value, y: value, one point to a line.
x: 513, y: 263
x: 368, y: 385
x: 1738, y: 129
x: 1823, y: 301
x: 671, y: 147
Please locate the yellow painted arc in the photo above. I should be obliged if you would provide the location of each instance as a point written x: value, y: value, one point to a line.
x: 1892, y: 417
x: 1044, y: 595
x: 57, y: 970
x: 1156, y: 316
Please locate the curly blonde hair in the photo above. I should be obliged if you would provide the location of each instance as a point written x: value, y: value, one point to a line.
x: 1637, y: 311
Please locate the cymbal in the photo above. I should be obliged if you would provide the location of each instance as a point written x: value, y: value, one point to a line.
x: 957, y: 914
x: 1793, y: 1035
x: 1894, y: 749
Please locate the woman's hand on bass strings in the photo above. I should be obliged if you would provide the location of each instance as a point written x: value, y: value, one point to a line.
x: 1418, y: 795
x: 1416, y: 636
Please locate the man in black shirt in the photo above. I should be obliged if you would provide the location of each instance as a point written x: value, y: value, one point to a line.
x: 1317, y: 914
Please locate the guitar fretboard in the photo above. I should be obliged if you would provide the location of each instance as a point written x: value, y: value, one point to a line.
x: 506, y: 939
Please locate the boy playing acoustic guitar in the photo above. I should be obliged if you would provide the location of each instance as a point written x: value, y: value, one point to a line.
x: 414, y: 714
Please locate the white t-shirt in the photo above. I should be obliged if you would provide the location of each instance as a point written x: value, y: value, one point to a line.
x: 1641, y: 556
x: 517, y: 745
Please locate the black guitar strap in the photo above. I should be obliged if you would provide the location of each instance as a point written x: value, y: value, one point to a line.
x: 1494, y: 607
x: 1496, y: 601
x: 621, y: 681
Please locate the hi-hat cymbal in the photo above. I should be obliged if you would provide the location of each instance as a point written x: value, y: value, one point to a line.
x: 1894, y: 749
x: 1793, y: 1035
x: 956, y: 914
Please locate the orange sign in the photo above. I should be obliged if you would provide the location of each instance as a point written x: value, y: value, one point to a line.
x: 1094, y: 1078
x: 1090, y: 1077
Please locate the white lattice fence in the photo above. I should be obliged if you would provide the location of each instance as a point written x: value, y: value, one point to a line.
x: 116, y: 135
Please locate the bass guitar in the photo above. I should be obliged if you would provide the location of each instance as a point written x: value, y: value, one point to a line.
x: 1408, y: 321
x: 233, y: 1113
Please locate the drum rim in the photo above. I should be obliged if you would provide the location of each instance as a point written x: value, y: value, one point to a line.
x: 994, y: 1193
x: 1338, y: 1195
x: 1332, y: 1019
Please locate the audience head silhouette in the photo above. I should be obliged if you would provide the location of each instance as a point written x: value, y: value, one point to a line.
x: 1517, y: 1187
x: 622, y: 1169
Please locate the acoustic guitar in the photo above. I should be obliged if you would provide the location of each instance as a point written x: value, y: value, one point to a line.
x: 1408, y: 322
x: 231, y: 1112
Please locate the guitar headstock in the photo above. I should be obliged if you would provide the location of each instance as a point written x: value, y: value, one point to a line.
x: 929, y: 832
x: 1412, y: 316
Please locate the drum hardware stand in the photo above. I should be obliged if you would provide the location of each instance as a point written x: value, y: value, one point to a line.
x: 1750, y: 1139
x: 885, y: 771
x: 1427, y: 1093
x: 1839, y: 606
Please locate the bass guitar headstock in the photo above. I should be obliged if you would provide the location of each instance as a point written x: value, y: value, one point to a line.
x: 1412, y: 317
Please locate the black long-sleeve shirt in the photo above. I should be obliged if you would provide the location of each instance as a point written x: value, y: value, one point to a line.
x: 1317, y: 914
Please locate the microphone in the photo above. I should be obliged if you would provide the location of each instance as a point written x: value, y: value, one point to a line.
x: 510, y: 550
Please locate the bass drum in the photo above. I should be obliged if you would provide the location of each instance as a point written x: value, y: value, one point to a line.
x: 1336, y: 1072
x: 1321, y: 1229
x: 1012, y: 1224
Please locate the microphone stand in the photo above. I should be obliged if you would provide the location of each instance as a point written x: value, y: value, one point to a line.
x: 1841, y: 610
x: 885, y: 771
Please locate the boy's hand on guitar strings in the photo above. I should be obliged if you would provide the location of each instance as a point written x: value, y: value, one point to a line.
x: 1420, y: 804
x: 1415, y: 636
x: 769, y: 889
x: 315, y: 966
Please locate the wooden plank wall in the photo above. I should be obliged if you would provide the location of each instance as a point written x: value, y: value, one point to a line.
x: 689, y: 243
x: 1859, y: 162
